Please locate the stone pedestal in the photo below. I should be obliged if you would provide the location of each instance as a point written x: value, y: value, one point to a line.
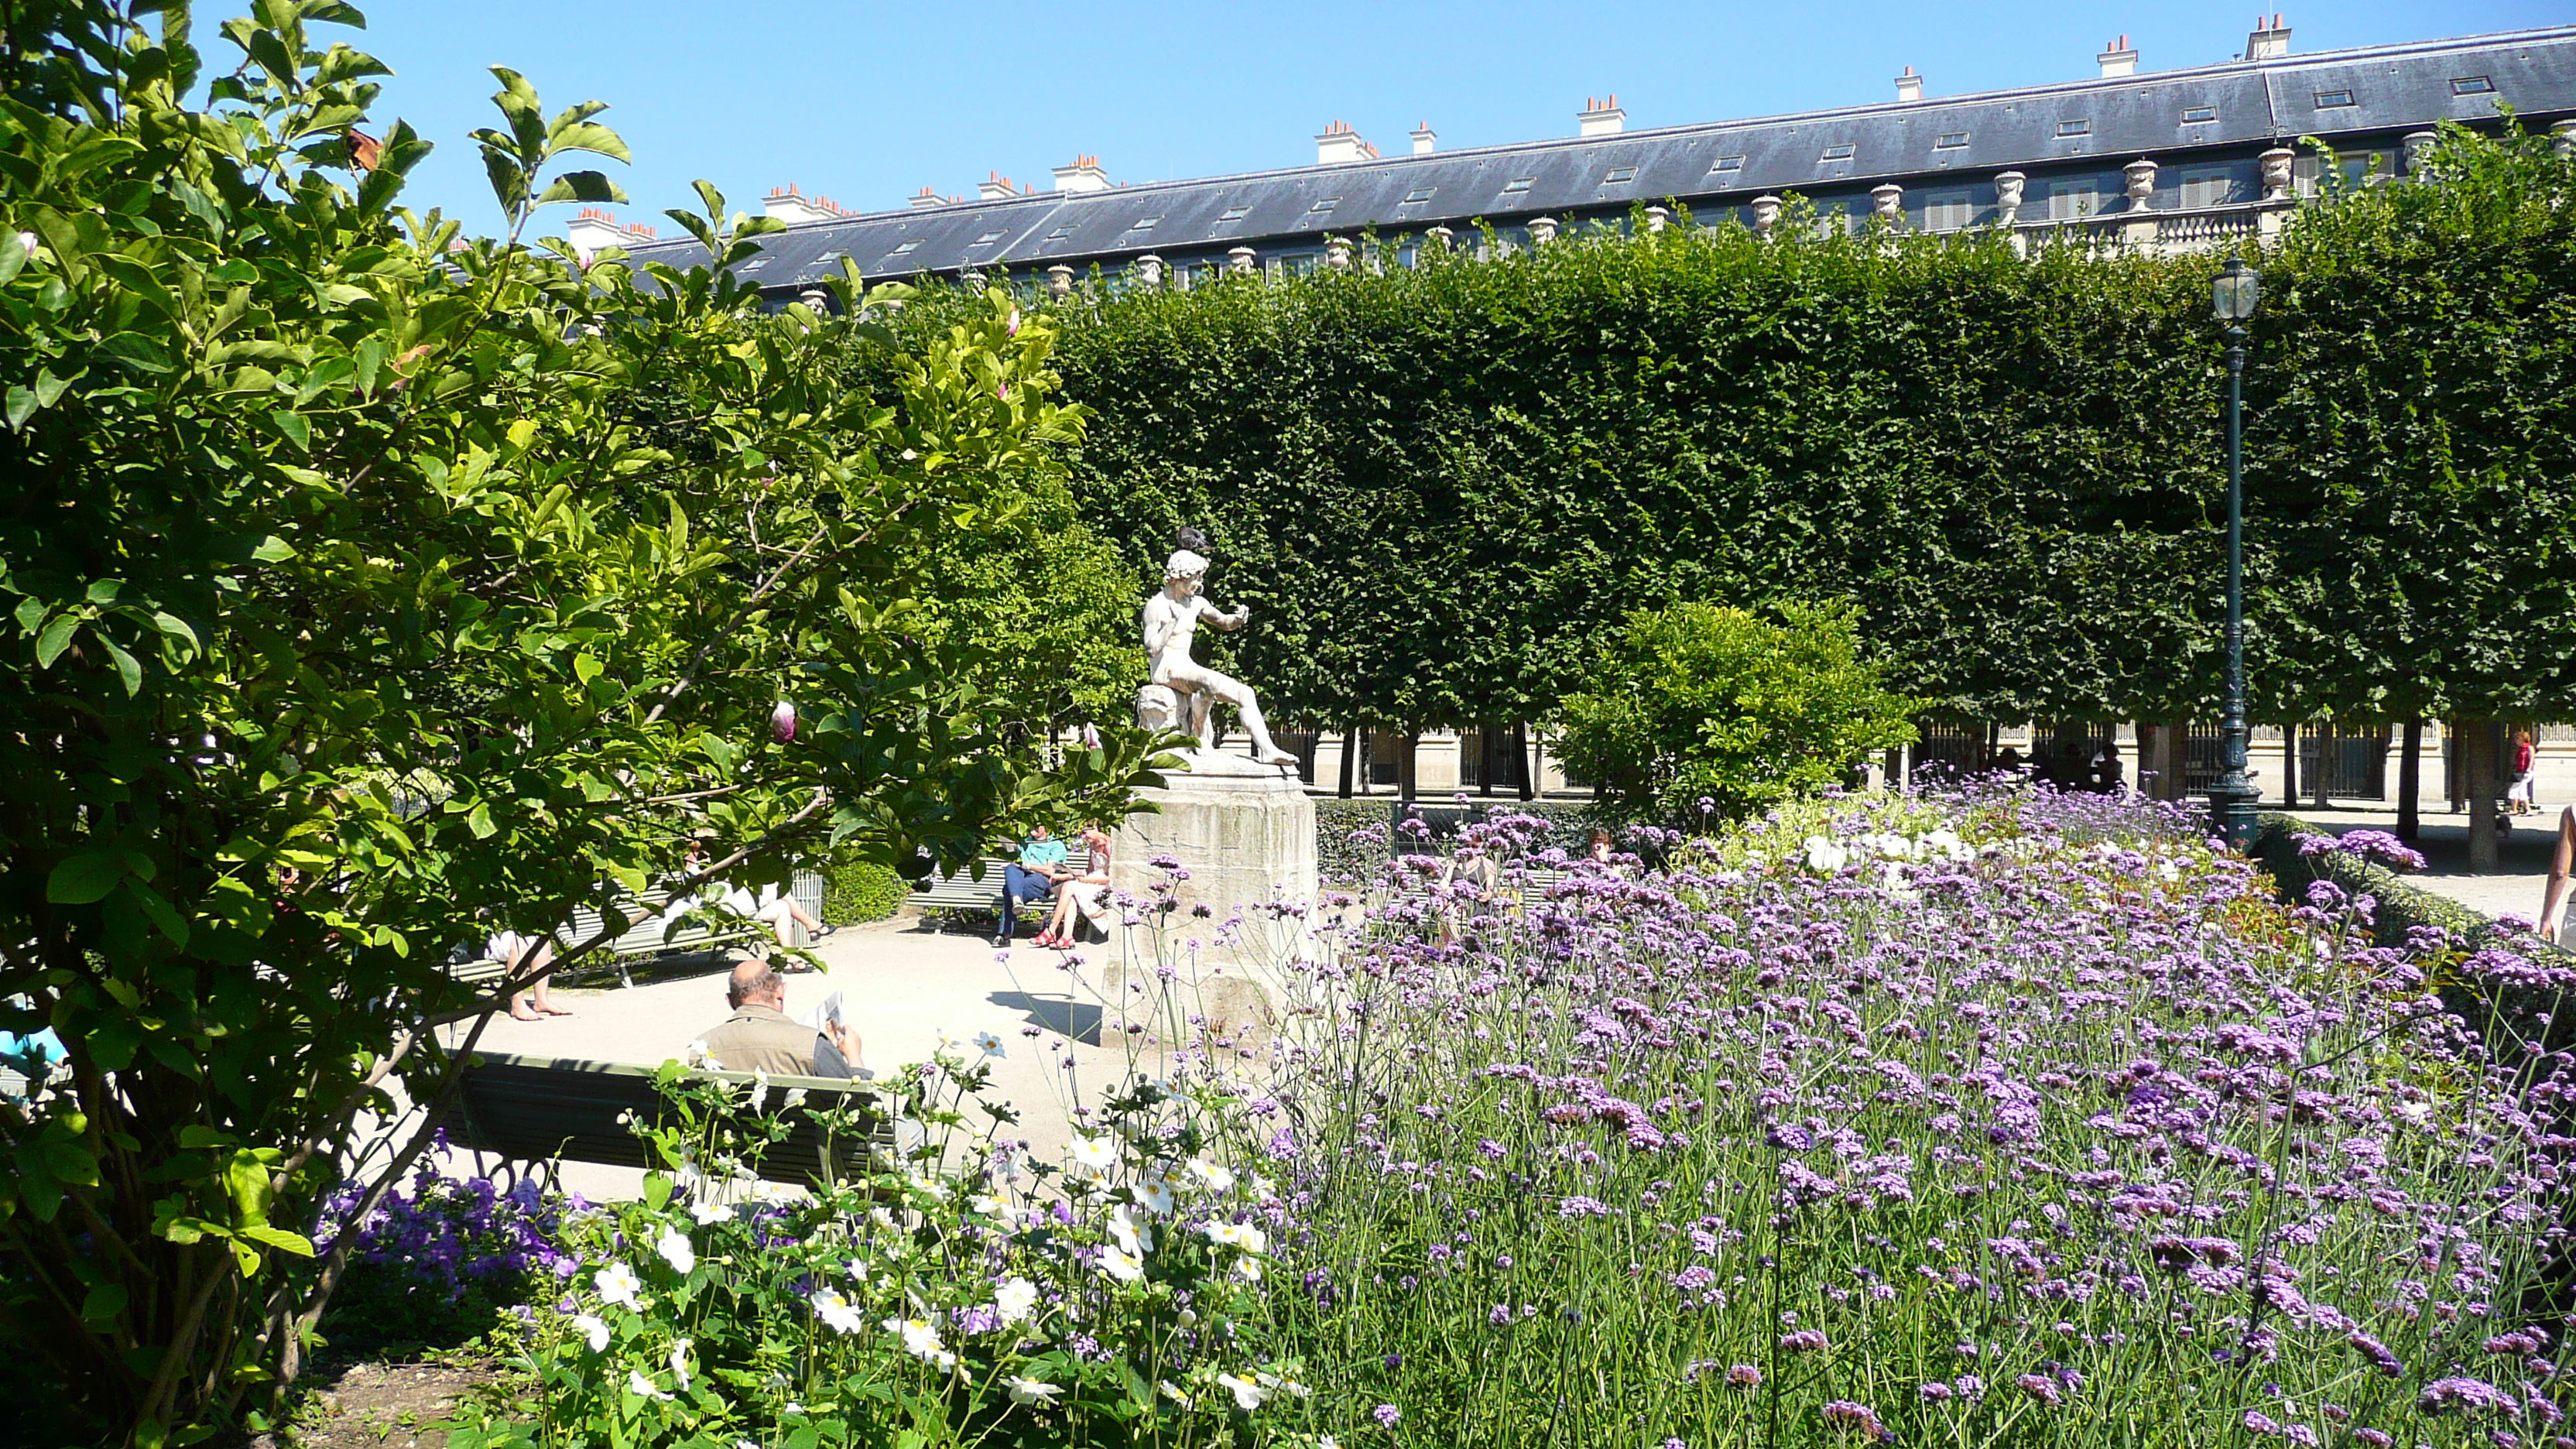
x: 1246, y: 839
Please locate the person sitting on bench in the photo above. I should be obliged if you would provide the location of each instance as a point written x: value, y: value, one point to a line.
x: 1033, y: 878
x: 759, y: 1037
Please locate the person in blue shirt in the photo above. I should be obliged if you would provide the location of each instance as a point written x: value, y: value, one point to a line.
x: 1034, y: 878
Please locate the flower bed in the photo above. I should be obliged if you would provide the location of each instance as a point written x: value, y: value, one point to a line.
x: 2005, y: 1119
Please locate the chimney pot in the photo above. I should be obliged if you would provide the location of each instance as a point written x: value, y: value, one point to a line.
x: 1084, y: 175
x: 1340, y: 144
x: 2119, y: 59
x: 1909, y: 86
x: 2268, y: 42
x: 1601, y: 118
x: 1425, y: 140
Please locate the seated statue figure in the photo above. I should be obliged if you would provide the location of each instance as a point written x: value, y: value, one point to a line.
x: 1171, y: 619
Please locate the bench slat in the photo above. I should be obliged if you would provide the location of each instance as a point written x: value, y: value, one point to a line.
x: 536, y: 1109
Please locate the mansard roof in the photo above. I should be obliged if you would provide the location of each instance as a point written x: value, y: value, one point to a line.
x: 2339, y: 97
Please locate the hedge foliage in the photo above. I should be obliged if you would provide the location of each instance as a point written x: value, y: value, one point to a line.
x: 1440, y: 486
x: 859, y: 891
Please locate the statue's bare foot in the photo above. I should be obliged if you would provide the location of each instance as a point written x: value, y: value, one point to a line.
x: 1275, y: 756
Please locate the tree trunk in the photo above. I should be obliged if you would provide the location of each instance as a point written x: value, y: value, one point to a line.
x: 1407, y: 749
x: 2478, y: 778
x: 1524, y: 775
x: 2410, y: 791
x: 1486, y: 755
x: 2290, y: 767
x: 1351, y: 738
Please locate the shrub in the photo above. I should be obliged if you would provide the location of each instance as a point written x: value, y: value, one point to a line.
x: 858, y: 891
x: 1695, y: 710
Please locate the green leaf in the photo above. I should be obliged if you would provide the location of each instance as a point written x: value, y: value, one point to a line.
x: 137, y: 351
x: 273, y: 549
x: 22, y: 406
x: 293, y: 426
x: 593, y: 137
x: 129, y: 671
x: 56, y: 638
x: 591, y: 186
x: 161, y: 913
x: 479, y: 820
x: 85, y: 877
x: 12, y: 255
x: 280, y: 1239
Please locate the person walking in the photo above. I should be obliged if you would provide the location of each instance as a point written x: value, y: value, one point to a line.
x: 2522, y: 797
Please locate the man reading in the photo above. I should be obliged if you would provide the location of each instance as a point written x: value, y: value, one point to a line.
x: 759, y: 1037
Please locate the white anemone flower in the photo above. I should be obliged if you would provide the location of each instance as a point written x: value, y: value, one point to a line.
x: 644, y: 1388
x: 857, y: 1268
x: 921, y: 1340
x: 991, y: 1044
x: 1248, y: 1394
x: 618, y: 1284
x: 675, y: 1248
x: 1032, y: 1392
x: 1218, y: 1177
x: 1094, y: 1155
x: 708, y: 1214
x: 1014, y: 1299
x: 1120, y: 1264
x: 1824, y: 856
x: 838, y: 1313
x: 759, y: 1090
x: 1131, y: 1229
x: 680, y: 1363
x: 593, y: 1329
x: 1238, y: 1235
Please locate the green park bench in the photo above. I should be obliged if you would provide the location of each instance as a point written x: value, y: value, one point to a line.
x: 643, y: 939
x: 535, y: 1110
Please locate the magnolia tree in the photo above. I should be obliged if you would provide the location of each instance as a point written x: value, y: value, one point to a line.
x: 361, y: 605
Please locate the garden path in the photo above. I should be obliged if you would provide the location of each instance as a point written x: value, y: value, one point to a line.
x: 2513, y: 888
x: 908, y: 989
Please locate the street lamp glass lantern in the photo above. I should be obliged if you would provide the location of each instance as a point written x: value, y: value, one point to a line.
x: 2232, y: 296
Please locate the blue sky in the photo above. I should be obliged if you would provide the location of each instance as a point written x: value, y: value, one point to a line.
x: 869, y: 103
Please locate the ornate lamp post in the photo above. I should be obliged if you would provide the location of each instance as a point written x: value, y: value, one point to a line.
x: 2231, y: 799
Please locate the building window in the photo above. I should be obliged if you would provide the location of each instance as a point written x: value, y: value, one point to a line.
x: 1620, y: 176
x: 1144, y: 223
x: 2074, y: 200
x: 1842, y: 152
x: 2207, y: 186
x: 1327, y: 204
x: 2066, y: 129
x: 1841, y: 218
x: 1947, y: 210
x: 1518, y: 185
x: 1060, y: 233
x: 1235, y: 213
x: 755, y: 264
x: 1727, y: 163
x: 2472, y: 85
x: 1950, y: 141
x: 904, y: 250
x: 2199, y: 115
x: 988, y: 238
x: 1418, y: 195
x: 2333, y: 100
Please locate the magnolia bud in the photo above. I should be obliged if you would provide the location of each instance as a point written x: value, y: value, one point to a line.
x: 782, y: 721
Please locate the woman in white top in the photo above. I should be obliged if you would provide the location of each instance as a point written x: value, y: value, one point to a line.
x: 1087, y: 893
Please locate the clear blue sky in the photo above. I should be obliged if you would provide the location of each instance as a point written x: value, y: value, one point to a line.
x: 869, y: 103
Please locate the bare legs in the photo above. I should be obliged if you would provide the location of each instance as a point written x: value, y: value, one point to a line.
x: 533, y: 1003
x: 1208, y: 685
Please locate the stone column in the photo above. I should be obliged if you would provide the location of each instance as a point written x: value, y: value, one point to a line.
x: 2009, y: 186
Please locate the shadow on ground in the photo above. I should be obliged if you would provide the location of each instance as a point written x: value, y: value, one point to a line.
x: 1076, y: 1020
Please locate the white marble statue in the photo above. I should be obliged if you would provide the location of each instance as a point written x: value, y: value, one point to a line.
x: 1182, y: 691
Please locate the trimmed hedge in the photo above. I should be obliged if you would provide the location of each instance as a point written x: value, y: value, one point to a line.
x: 860, y: 891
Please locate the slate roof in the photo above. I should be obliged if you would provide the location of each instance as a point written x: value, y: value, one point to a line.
x: 2256, y: 104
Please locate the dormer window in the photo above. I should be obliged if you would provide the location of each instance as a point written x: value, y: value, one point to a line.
x: 2472, y: 85
x: 2069, y: 129
x: 1327, y: 204
x: 2333, y: 100
x: 987, y: 239
x: 1518, y: 185
x: 1060, y: 233
x: 1418, y: 195
x: 1620, y: 176
x: 2199, y: 115
x: 1842, y: 152
x: 1235, y: 213
x: 1950, y: 141
x: 1727, y: 163
x: 1144, y: 223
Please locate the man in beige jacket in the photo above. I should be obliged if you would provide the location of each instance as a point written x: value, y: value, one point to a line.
x: 759, y: 1036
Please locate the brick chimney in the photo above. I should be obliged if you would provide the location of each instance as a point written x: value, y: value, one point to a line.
x: 1083, y: 175
x: 926, y: 198
x: 1339, y: 145
x: 995, y: 187
x: 2268, y: 42
x: 591, y: 229
x: 2117, y: 59
x: 1909, y: 86
x: 793, y: 208
x: 1602, y: 117
x: 1425, y: 140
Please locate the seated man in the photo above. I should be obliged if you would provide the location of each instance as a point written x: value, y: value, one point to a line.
x: 1034, y: 878
x: 759, y: 1037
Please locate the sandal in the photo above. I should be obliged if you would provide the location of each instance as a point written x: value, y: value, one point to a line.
x: 790, y: 966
